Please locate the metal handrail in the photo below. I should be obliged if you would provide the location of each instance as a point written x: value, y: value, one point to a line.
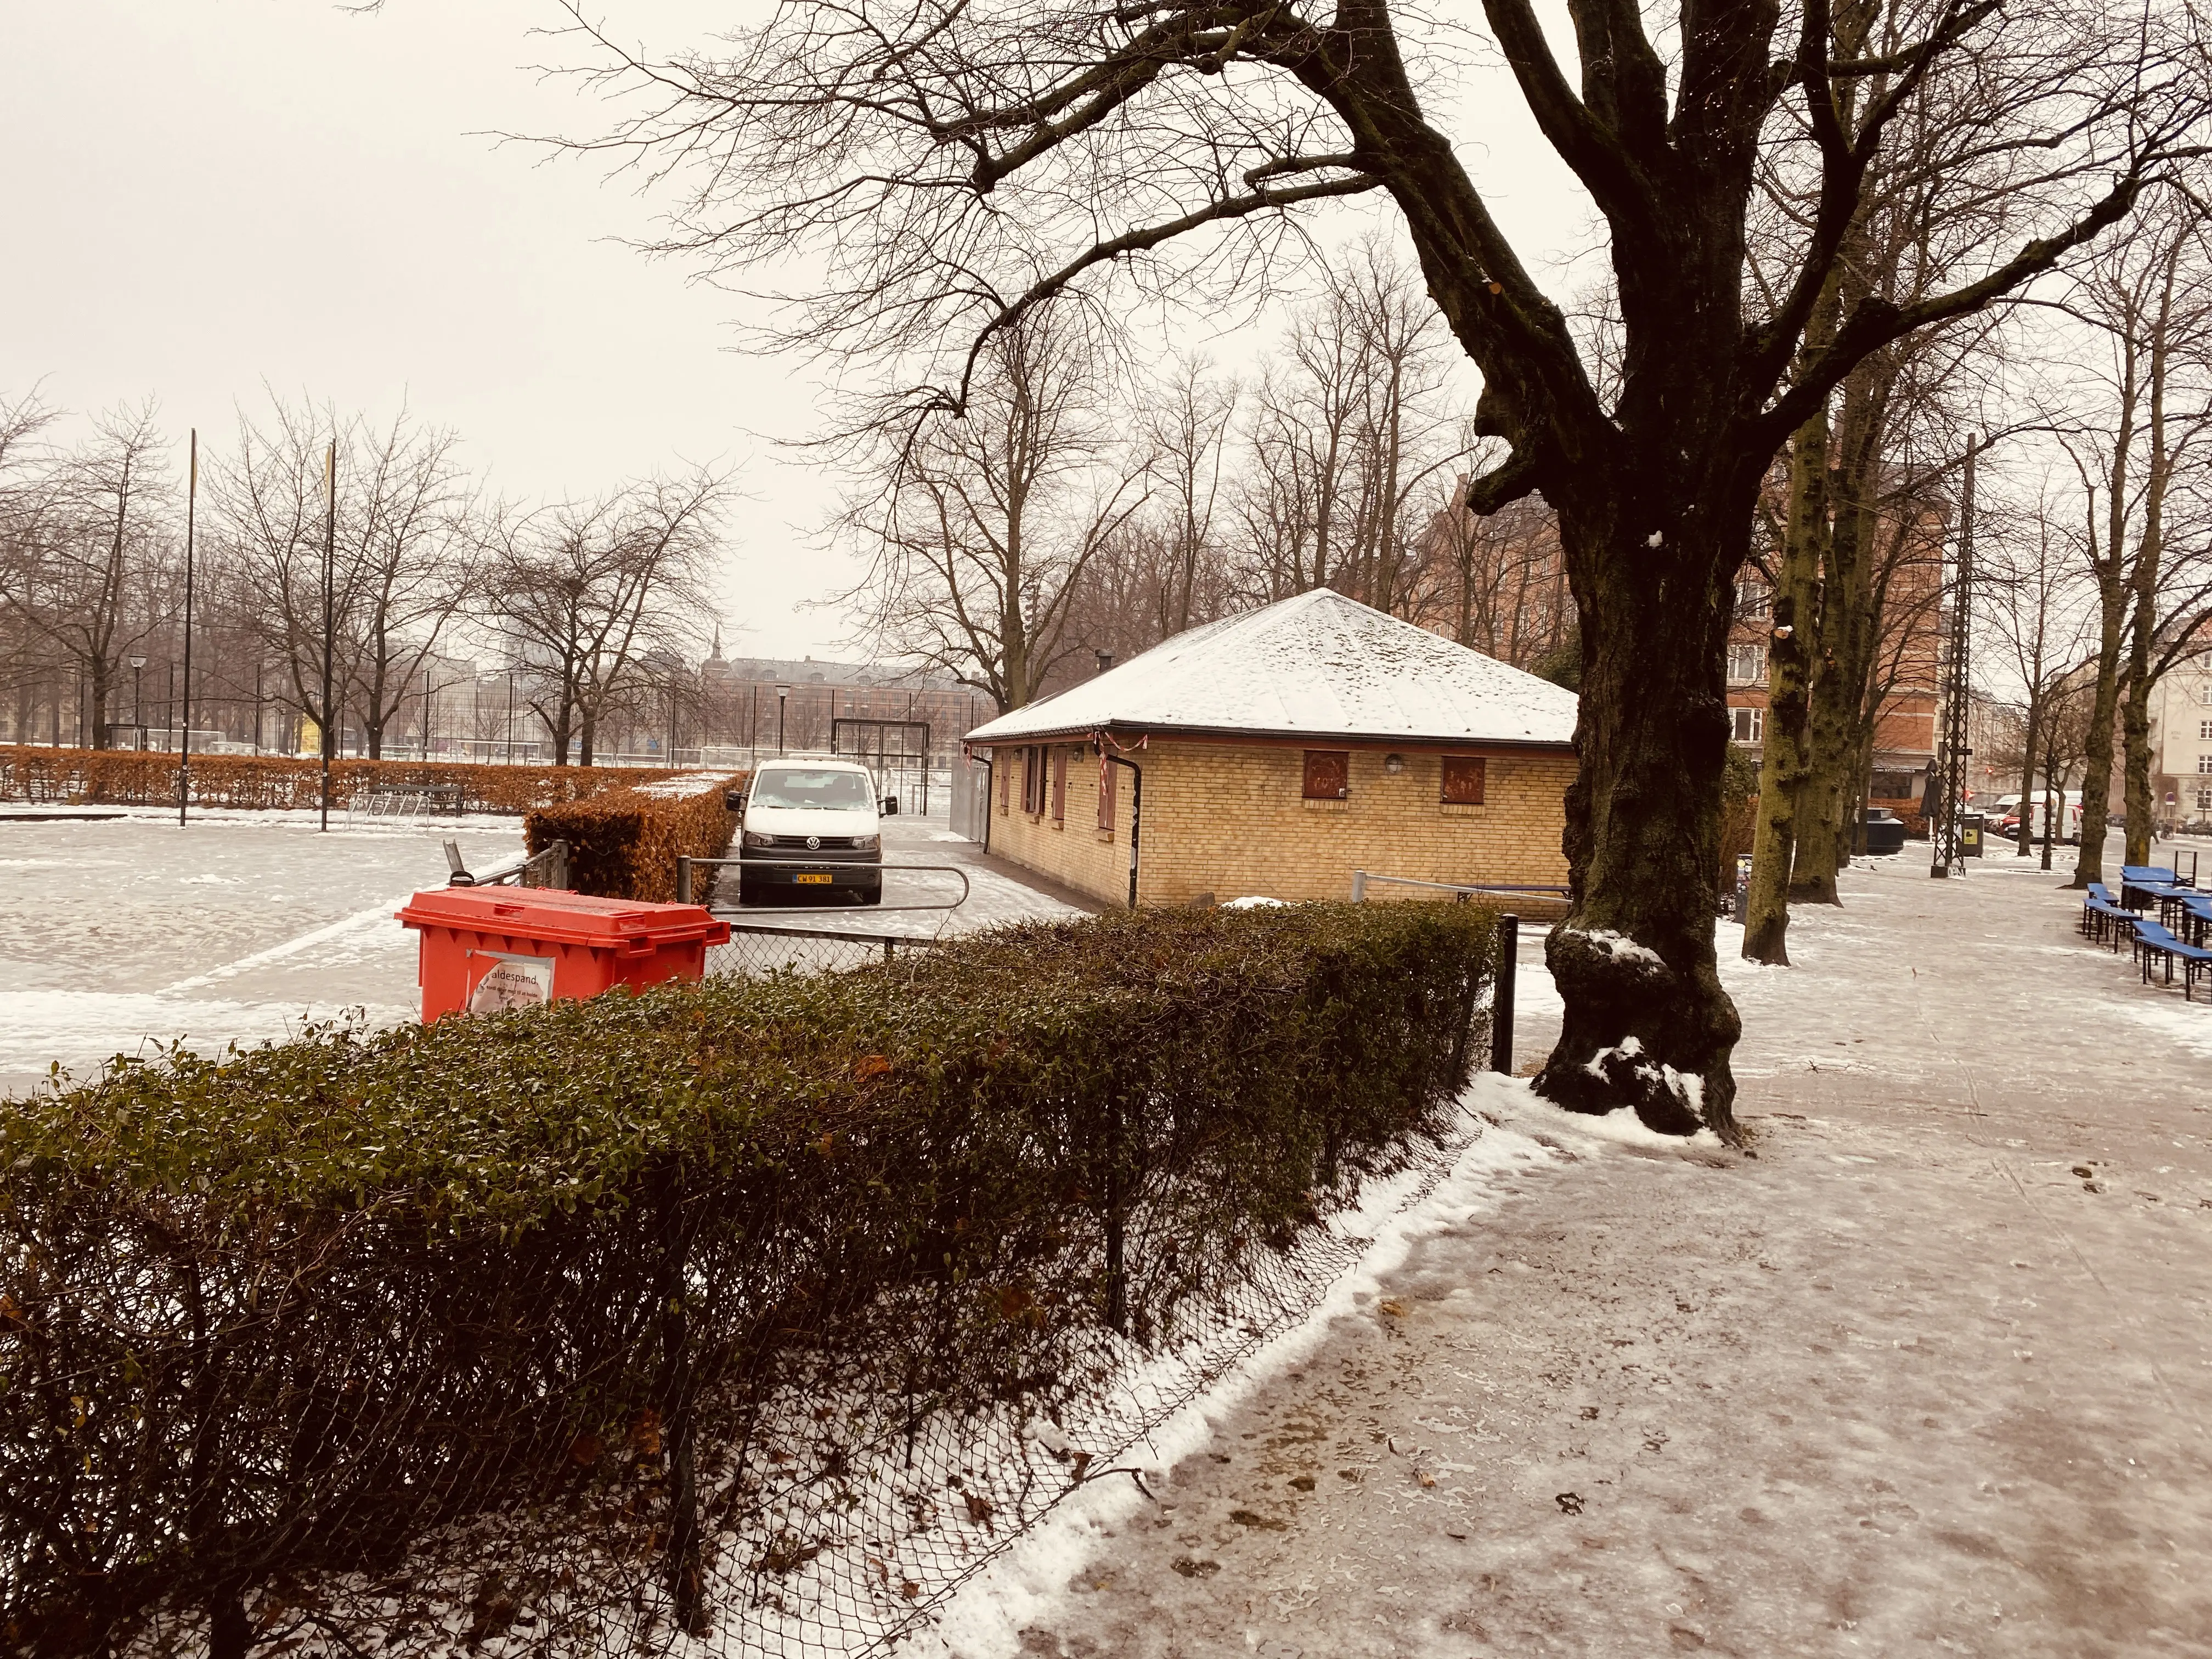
x: 685, y: 865
x: 551, y: 863
x: 1465, y: 890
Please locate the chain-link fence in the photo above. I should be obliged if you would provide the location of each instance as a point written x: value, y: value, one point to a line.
x: 758, y: 948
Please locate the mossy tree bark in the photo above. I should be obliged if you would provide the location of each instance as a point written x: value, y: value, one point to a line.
x: 1790, y: 674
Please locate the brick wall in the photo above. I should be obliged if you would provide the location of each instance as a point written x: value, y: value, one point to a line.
x: 1230, y: 820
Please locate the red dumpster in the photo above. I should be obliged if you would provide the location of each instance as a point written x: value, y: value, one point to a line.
x: 486, y: 948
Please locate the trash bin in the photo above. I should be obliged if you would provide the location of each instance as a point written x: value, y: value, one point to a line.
x: 488, y: 948
x: 1970, y: 834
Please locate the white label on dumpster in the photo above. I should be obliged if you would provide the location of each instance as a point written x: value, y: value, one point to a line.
x: 514, y: 981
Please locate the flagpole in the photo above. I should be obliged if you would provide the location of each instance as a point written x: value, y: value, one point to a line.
x: 329, y: 613
x: 185, y: 753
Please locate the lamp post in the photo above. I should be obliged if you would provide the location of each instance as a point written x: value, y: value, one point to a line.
x: 510, y: 717
x: 185, y: 754
x: 138, y: 708
x: 782, y: 692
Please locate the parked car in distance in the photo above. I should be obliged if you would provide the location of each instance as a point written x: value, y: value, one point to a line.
x: 1884, y: 831
x: 810, y: 829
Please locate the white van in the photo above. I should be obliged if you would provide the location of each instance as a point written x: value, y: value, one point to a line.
x: 810, y: 829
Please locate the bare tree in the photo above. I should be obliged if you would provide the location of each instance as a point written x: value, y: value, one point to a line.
x: 583, y: 591
x: 957, y: 163
x: 1495, y: 583
x: 1352, y: 423
x: 1186, y: 437
x: 2136, y: 408
x: 89, y: 549
x: 2038, y: 615
x: 979, y: 531
x: 401, y: 554
x: 410, y: 546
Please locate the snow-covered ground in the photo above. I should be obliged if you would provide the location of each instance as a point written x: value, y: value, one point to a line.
x: 1930, y: 1371
x: 122, y: 934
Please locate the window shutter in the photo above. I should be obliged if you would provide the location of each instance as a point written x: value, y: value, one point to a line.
x: 1002, y: 764
x: 1328, y: 773
x: 1108, y: 782
x: 1464, y: 777
x: 1059, y: 787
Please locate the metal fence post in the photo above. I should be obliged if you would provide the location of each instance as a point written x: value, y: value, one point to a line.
x: 683, y: 880
x: 1501, y: 994
x: 1359, y: 886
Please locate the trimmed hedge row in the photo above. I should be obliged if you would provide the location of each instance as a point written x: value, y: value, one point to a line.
x: 624, y: 843
x: 309, y: 1310
x: 124, y: 777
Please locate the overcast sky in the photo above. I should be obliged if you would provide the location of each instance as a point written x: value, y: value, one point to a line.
x: 205, y: 195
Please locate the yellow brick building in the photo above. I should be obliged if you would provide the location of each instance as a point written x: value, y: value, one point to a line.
x: 1277, y: 753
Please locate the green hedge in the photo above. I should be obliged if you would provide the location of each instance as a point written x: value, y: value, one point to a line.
x: 293, y: 1312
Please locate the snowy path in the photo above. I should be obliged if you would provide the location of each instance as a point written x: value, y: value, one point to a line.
x: 1903, y: 1381
x: 238, y: 926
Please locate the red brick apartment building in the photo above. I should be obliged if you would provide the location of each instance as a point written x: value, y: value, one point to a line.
x: 1906, y: 678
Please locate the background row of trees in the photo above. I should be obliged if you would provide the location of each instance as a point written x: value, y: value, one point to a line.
x: 401, y: 567
x: 1083, y: 504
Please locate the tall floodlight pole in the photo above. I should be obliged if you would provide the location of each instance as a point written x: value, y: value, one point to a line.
x: 192, y: 502
x: 330, y: 608
x: 1951, y: 758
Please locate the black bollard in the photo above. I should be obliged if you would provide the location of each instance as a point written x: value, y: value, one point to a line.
x: 1501, y: 994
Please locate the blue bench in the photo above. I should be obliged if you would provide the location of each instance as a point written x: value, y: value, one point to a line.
x: 2103, y: 918
x: 2152, y: 940
x: 2195, y: 917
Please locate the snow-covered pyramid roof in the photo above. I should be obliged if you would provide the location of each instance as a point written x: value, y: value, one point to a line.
x: 1318, y: 665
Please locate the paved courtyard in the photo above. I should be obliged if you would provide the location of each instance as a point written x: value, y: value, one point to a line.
x: 1929, y: 1372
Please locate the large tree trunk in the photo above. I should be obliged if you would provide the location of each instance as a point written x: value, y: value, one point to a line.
x: 1790, y: 662
x: 1833, y: 710
x: 2026, y: 833
x: 1647, y: 1024
x: 1850, y: 636
x: 102, y: 728
x: 2097, y: 759
x: 2134, y: 750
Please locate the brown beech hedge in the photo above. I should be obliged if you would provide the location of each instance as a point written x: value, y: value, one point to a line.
x: 320, y: 1309
x: 624, y: 843
x: 125, y: 777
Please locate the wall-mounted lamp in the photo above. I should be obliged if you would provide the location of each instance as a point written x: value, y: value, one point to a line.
x: 1393, y: 764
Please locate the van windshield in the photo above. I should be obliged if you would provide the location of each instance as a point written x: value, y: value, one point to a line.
x: 837, y: 791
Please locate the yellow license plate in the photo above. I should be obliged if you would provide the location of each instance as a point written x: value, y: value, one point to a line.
x: 809, y: 879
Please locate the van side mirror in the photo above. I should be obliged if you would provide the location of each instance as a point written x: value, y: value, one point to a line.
x: 890, y: 806
x: 734, y: 801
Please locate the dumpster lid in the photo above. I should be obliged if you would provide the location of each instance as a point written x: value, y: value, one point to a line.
x: 561, y: 917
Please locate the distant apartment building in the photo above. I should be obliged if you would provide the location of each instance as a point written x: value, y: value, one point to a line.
x: 2181, y: 744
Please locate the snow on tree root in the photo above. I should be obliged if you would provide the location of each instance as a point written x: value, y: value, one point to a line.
x: 1617, y: 1064
x: 1639, y: 1032
x: 1619, y: 946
